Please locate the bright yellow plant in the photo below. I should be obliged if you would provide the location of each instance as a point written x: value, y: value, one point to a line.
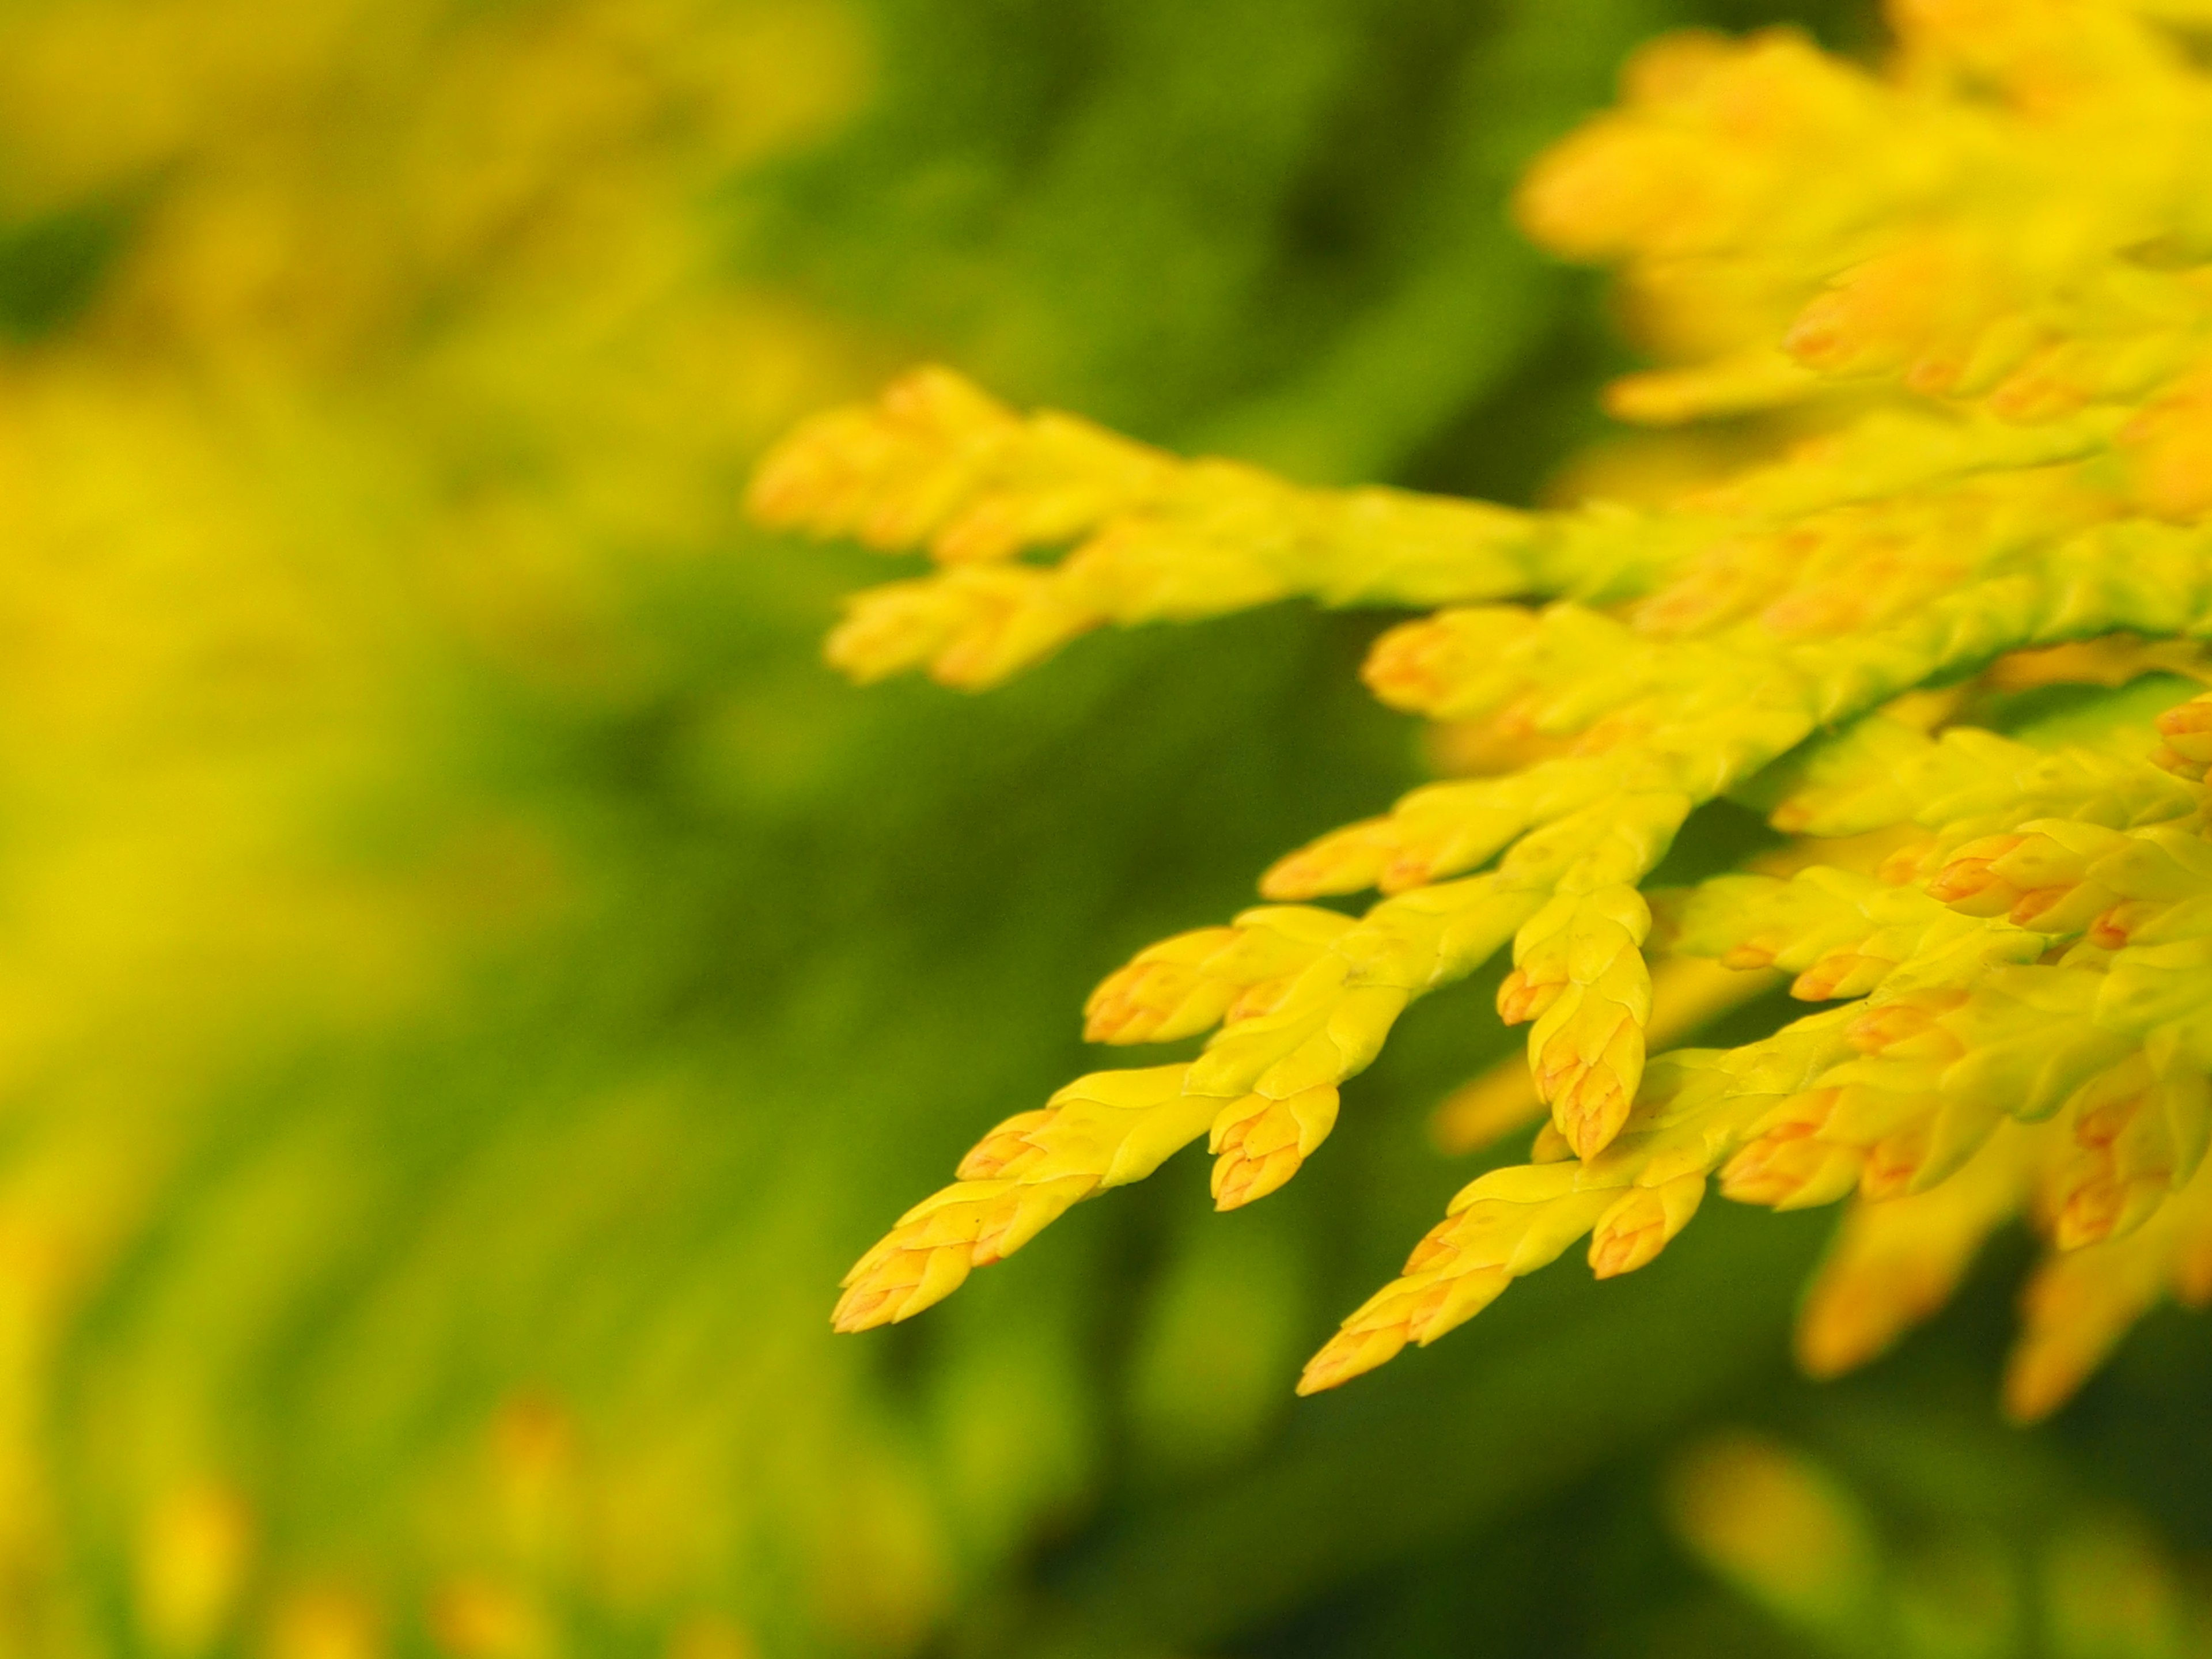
x: 1975, y: 289
x: 413, y: 349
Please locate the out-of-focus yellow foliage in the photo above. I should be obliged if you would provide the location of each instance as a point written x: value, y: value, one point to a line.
x: 400, y: 337
x: 413, y: 331
x: 2080, y: 1582
x: 1775, y: 1524
x: 1980, y: 279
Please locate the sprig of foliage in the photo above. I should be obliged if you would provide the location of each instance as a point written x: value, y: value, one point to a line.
x: 1975, y: 287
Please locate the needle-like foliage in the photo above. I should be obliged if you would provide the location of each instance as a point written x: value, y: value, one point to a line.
x: 1973, y: 292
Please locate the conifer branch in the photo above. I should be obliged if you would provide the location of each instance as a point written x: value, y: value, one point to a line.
x: 1983, y: 278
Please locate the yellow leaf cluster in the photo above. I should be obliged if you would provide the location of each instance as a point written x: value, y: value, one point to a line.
x: 409, y: 333
x: 1981, y: 281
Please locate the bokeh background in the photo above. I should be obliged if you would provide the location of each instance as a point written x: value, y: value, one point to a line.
x: 470, y: 980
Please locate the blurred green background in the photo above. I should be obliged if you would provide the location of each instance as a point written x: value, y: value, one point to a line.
x: 473, y: 980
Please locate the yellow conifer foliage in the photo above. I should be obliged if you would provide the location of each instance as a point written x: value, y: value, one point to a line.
x: 253, y: 526
x: 1984, y: 277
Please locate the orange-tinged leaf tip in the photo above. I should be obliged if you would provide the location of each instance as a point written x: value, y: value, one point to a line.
x: 1349, y: 1354
x: 995, y: 1156
x: 1409, y: 668
x: 865, y: 1306
x: 1790, y: 1172
x: 1317, y: 872
x: 1967, y: 878
x: 1454, y: 1301
x: 1519, y: 1001
x: 1134, y: 1004
x: 1890, y: 1170
x: 1641, y: 1223
x: 1589, y: 1106
x: 2187, y: 730
x: 2036, y: 903
x: 1267, y: 1141
x: 2110, y: 930
x: 1891, y: 1026
x: 1239, y: 1180
x: 1621, y: 1251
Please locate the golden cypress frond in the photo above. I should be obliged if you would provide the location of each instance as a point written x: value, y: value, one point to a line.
x: 1987, y: 273
x: 937, y: 464
x: 1579, y: 974
x: 1961, y: 1026
x: 1686, y: 993
x: 1186, y: 984
x: 2137, y: 1138
x: 1840, y: 933
x: 1101, y: 1130
x: 1694, y: 1108
x: 2082, y: 1302
x: 1266, y: 1087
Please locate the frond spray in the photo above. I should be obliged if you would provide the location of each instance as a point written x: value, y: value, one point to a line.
x: 1978, y: 284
